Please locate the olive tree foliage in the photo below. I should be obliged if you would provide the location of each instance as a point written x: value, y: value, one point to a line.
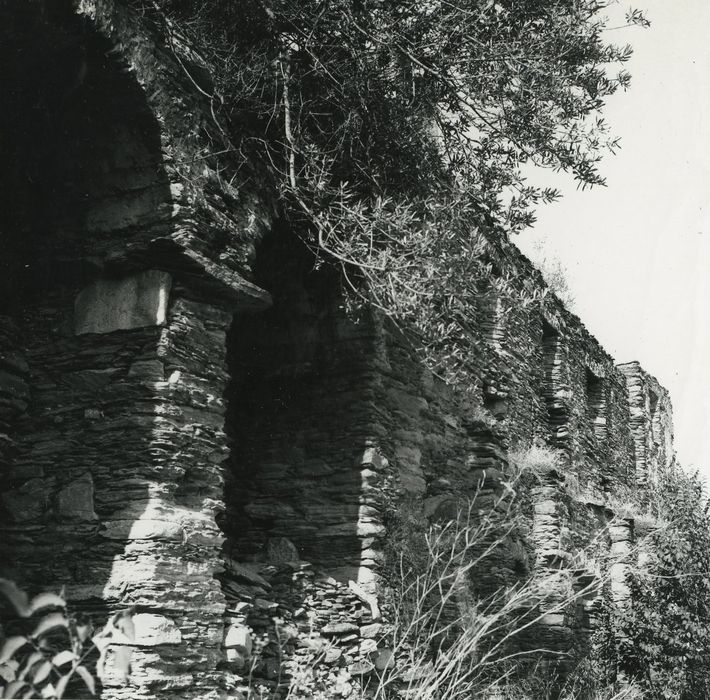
x: 394, y: 131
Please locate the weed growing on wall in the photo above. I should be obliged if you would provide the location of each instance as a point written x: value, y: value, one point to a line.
x: 463, y: 619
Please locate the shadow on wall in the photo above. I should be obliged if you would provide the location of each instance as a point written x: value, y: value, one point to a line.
x: 299, y: 418
x: 304, y: 485
x: 110, y: 471
x: 113, y: 470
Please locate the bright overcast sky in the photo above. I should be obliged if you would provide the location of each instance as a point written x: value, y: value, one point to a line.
x: 637, y: 252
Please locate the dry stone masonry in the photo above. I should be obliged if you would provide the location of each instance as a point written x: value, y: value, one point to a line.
x: 190, y: 423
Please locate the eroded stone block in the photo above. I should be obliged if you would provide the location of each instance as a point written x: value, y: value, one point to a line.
x: 14, y: 393
x: 238, y: 637
x: 143, y: 529
x: 135, y: 301
x: 147, y: 370
x: 153, y: 630
x: 76, y: 500
x: 26, y: 503
x: 281, y: 550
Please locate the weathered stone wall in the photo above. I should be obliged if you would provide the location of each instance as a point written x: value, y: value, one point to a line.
x: 313, y: 392
x: 651, y: 424
x: 543, y: 380
x: 116, y: 479
x: 201, y: 431
x: 304, y: 381
x: 125, y: 265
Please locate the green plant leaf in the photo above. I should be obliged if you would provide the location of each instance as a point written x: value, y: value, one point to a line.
x: 8, y: 670
x: 29, y: 662
x: 123, y: 623
x: 49, y: 691
x: 40, y: 672
x: 88, y: 678
x: 83, y: 632
x: 62, y: 685
x: 101, y: 641
x: 101, y: 661
x: 64, y: 657
x: 11, y: 646
x: 46, y: 600
x: 49, y: 622
x: 12, y: 689
x: 17, y: 598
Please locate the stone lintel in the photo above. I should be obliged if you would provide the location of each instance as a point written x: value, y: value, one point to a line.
x: 133, y: 301
x: 212, y: 281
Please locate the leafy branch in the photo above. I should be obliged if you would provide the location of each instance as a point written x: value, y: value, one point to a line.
x: 44, y: 660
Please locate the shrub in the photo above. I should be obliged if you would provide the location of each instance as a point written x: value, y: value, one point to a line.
x: 52, y: 646
x: 452, y: 635
x: 665, y: 633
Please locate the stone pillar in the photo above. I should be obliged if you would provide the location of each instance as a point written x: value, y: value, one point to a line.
x: 621, y: 533
x: 171, y: 544
x: 550, y: 536
x: 116, y: 475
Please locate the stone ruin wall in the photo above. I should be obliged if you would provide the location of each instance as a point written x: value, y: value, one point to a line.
x: 192, y: 425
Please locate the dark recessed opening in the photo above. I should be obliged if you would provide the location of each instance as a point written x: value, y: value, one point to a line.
x: 557, y: 412
x: 655, y: 417
x: 596, y: 403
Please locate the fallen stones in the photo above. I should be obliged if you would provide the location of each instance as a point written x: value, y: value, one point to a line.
x: 142, y: 529
x: 383, y: 659
x: 307, y: 621
x: 238, y: 637
x: 361, y: 668
x: 339, y: 628
x: 371, y: 631
x: 332, y: 655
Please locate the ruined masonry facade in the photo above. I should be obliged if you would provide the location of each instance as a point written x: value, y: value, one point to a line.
x: 191, y: 425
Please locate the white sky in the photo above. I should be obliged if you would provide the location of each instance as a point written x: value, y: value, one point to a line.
x: 637, y: 252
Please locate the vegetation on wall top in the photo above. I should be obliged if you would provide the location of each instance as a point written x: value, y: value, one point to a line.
x: 394, y: 132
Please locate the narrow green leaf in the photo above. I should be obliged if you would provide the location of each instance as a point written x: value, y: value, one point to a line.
x: 101, y: 662
x: 88, y: 678
x: 122, y: 661
x: 11, y: 645
x: 8, y: 671
x: 62, y: 685
x: 64, y: 657
x: 46, y: 600
x: 40, y: 672
x: 119, y: 637
x: 101, y: 642
x: 83, y: 632
x: 12, y: 690
x: 50, y: 622
x: 29, y: 662
x: 126, y: 625
x: 49, y: 691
